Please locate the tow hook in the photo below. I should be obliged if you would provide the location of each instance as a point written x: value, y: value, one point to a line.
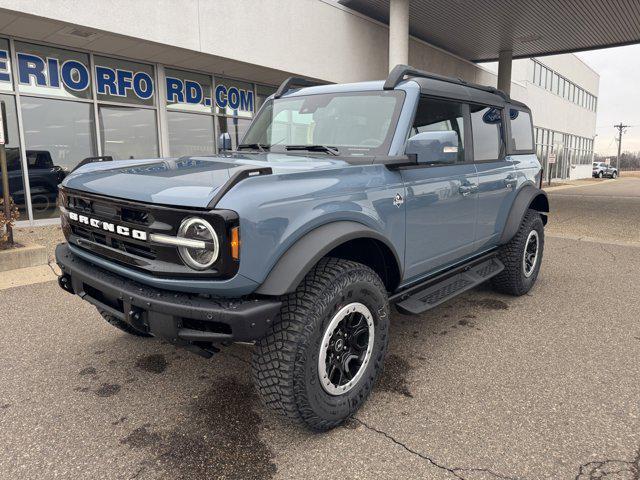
x: 65, y: 283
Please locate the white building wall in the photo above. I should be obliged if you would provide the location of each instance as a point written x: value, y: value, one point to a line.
x: 314, y: 38
x: 553, y: 111
x: 266, y: 40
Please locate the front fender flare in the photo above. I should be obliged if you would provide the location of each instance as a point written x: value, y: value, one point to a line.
x: 528, y: 197
x: 307, y: 251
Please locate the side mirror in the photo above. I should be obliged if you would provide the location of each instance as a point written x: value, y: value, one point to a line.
x: 434, y: 147
x: 224, y: 142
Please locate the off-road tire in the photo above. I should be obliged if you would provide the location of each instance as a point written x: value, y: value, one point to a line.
x: 285, y: 361
x: 122, y: 325
x: 512, y: 280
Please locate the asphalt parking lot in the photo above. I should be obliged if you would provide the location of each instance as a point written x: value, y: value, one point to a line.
x: 545, y: 386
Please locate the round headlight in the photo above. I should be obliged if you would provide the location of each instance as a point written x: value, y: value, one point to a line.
x: 204, y: 250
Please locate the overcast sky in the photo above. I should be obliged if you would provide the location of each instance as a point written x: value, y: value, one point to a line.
x: 619, y: 97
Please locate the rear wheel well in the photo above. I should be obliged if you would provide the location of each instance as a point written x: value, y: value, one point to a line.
x: 541, y: 204
x: 374, y: 254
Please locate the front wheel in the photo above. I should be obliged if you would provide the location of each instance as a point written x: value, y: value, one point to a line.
x: 522, y: 257
x: 614, y: 175
x: 318, y: 363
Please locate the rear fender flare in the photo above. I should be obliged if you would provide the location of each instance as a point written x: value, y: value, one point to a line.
x: 528, y: 197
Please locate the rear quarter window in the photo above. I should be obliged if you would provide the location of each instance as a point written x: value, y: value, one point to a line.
x: 521, y: 130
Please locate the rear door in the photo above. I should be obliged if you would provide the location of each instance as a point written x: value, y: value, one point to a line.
x: 441, y: 200
x: 497, y: 180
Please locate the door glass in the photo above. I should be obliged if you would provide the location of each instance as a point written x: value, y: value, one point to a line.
x: 190, y: 134
x: 14, y: 162
x: 486, y: 123
x: 440, y: 116
x: 128, y: 132
x: 58, y: 135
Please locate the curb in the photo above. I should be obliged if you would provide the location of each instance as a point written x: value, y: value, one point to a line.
x: 564, y: 187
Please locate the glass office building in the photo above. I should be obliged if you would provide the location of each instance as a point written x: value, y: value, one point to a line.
x: 64, y: 106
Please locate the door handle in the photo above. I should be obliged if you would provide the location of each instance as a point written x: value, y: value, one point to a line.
x: 510, y: 182
x: 468, y: 189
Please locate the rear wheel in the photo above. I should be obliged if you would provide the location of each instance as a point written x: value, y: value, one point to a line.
x: 522, y: 257
x: 600, y: 175
x: 122, y: 325
x: 318, y: 363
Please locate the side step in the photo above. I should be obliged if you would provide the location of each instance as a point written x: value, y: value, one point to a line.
x: 443, y: 290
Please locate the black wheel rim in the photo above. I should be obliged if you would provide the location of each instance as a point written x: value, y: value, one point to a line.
x: 346, y: 348
x: 530, y: 256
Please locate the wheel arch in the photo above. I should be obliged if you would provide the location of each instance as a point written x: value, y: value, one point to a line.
x: 342, y: 239
x: 529, y: 197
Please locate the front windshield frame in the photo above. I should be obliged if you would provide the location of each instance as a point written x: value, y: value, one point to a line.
x: 354, y: 151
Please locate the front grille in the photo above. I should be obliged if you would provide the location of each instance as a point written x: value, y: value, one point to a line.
x: 95, y: 224
x: 120, y: 213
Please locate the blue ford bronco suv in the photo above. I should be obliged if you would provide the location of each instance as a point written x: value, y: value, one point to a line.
x: 341, y: 201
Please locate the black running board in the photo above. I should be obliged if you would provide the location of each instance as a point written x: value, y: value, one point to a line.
x: 439, y: 291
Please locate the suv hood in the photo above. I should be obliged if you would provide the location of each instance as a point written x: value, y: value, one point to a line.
x: 185, y: 181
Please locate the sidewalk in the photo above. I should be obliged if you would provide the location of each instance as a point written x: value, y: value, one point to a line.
x: 582, y: 182
x: 49, y: 236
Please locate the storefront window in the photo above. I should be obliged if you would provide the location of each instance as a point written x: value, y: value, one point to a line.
x: 123, y: 81
x: 262, y: 93
x: 52, y: 71
x: 5, y: 66
x: 189, y: 92
x: 234, y: 98
x: 14, y: 162
x: 236, y: 127
x: 58, y: 135
x: 128, y: 132
x: 190, y: 134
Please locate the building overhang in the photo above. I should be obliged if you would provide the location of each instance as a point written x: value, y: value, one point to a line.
x: 478, y: 30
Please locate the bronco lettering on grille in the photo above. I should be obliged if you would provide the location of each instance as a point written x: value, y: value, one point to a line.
x: 108, y: 227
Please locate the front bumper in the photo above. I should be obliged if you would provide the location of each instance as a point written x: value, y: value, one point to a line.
x: 184, y: 319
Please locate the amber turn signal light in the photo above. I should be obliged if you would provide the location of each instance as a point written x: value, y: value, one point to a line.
x: 235, y: 243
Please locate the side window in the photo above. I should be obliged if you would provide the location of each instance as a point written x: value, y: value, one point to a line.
x: 486, y: 123
x: 440, y: 116
x: 521, y: 131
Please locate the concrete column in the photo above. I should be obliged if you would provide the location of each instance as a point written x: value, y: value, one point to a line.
x: 398, y: 33
x: 504, y: 71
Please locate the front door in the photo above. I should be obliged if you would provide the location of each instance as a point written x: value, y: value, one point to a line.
x: 497, y: 178
x: 441, y: 199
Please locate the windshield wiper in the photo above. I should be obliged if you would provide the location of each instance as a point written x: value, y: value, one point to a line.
x: 263, y: 147
x: 314, y: 148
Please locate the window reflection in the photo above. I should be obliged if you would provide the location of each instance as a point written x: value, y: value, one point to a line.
x: 58, y: 135
x: 190, y: 134
x: 14, y: 164
x: 128, y: 132
x: 236, y: 127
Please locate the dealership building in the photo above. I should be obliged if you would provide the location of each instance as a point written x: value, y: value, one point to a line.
x: 140, y: 79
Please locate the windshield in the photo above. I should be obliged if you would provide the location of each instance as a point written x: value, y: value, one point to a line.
x: 350, y: 124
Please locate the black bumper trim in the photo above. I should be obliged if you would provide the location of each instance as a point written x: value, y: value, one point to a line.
x: 178, y: 317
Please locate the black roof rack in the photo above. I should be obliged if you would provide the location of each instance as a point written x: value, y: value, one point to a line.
x: 400, y: 71
x: 291, y: 81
